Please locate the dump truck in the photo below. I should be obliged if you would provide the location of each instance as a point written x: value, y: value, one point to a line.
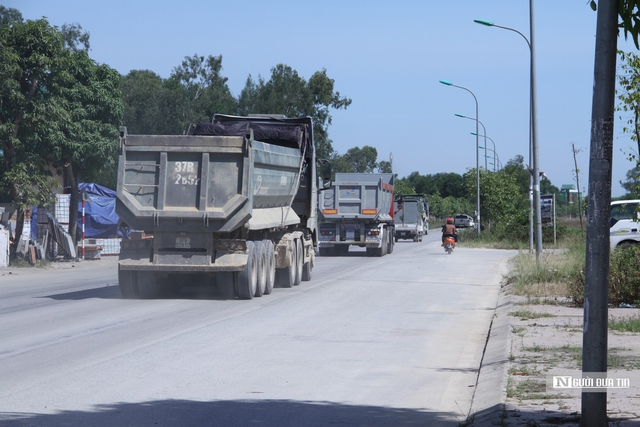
x: 411, y: 217
x: 233, y: 201
x: 357, y: 210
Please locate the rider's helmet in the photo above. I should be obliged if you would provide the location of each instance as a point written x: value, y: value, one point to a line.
x: 449, y: 220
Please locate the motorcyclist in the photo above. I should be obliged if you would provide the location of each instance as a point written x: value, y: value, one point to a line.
x: 449, y: 230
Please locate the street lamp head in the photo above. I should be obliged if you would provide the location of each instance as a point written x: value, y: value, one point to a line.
x: 484, y: 22
x: 461, y: 115
x: 473, y: 133
x: 446, y: 82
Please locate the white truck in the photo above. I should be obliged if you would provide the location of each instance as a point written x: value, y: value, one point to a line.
x: 625, y: 225
x: 411, y: 217
x: 357, y: 210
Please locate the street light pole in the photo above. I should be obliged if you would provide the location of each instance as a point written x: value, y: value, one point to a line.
x: 533, y: 126
x: 485, y: 133
x: 448, y: 83
x: 485, y: 145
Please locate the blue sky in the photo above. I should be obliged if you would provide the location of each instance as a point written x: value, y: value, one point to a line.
x: 388, y: 57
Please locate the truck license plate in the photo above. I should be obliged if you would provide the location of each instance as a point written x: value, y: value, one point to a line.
x: 183, y: 242
x: 351, y: 235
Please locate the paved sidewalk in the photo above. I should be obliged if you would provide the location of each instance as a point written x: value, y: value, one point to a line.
x: 528, y: 345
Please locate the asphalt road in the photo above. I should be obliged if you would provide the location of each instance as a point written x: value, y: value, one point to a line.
x: 392, y: 341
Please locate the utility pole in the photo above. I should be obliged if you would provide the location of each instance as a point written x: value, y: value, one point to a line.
x: 596, y: 284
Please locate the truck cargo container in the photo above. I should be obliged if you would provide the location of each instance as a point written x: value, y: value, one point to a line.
x: 234, y: 200
x: 357, y: 210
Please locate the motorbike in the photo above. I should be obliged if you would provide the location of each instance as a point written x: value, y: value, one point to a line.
x: 449, y: 244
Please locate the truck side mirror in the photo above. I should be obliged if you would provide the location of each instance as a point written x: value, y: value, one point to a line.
x: 325, y: 171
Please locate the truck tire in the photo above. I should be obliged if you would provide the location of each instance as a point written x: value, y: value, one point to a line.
x: 127, y: 284
x: 306, y: 268
x: 261, y: 257
x: 148, y: 286
x: 225, y: 282
x: 390, y: 245
x: 286, y: 277
x: 248, y: 278
x: 299, y: 261
x: 270, y: 266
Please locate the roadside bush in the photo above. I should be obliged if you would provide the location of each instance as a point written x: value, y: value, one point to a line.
x: 624, y: 278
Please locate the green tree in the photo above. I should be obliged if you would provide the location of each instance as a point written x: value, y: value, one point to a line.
x: 384, y: 166
x: 151, y: 104
x: 288, y: 93
x: 499, y: 195
x: 58, y: 108
x: 628, y: 95
x: 364, y: 160
x: 402, y: 187
x: 201, y: 89
x: 83, y: 142
x: 632, y: 182
x: 9, y: 16
x: 31, y: 55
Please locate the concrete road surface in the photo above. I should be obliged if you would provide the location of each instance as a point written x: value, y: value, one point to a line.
x: 391, y: 341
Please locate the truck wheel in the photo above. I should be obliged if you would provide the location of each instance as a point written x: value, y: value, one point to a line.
x: 306, y: 268
x: 261, y: 267
x: 270, y: 266
x: 396, y: 238
x: 286, y: 277
x: 126, y: 281
x: 225, y: 282
x: 299, y: 261
x: 248, y: 277
x: 148, y: 288
x: 390, y: 245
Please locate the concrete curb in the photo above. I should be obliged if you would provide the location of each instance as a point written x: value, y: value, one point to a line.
x: 487, y: 407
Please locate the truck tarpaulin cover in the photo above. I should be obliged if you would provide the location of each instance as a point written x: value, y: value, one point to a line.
x: 279, y: 133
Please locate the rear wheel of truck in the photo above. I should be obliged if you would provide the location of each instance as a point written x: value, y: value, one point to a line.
x: 248, y: 278
x: 127, y: 284
x: 148, y: 286
x: 270, y: 266
x: 306, y: 268
x: 286, y: 277
x: 226, y: 284
x: 390, y: 245
x: 299, y: 261
x: 261, y: 257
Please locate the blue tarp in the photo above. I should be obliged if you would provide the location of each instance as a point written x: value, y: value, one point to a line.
x: 101, y: 221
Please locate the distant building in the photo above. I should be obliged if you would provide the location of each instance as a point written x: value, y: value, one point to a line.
x: 570, y: 194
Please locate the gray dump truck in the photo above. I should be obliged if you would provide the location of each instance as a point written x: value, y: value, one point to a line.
x: 357, y: 210
x: 411, y: 217
x: 233, y: 202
